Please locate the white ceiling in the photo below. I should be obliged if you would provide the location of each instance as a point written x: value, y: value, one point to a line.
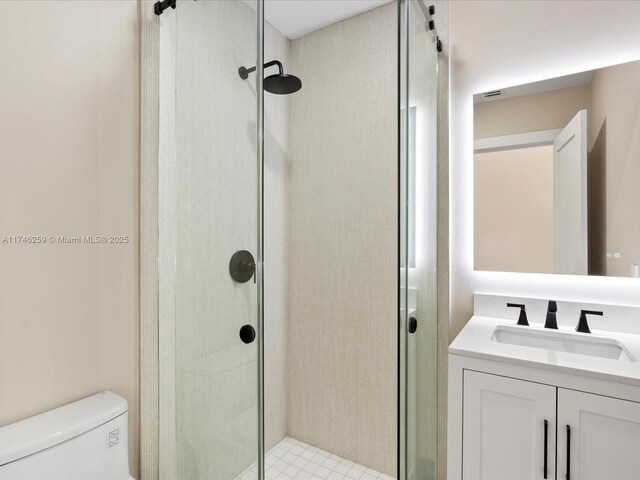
x: 295, y: 18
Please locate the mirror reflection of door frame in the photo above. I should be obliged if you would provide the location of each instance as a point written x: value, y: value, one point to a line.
x: 519, y: 140
x: 571, y: 210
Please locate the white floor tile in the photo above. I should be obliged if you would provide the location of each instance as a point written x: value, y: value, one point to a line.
x: 295, y: 460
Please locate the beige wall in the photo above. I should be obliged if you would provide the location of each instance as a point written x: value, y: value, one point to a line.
x: 496, y: 44
x: 529, y: 113
x: 513, y: 205
x: 614, y: 131
x: 342, y: 240
x: 69, y: 166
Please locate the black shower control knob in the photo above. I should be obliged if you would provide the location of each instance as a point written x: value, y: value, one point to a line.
x: 242, y: 266
x: 432, y: 9
x: 431, y: 25
x: 412, y: 324
x: 247, y: 334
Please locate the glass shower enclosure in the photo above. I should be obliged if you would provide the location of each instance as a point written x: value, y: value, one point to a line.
x: 418, y: 312
x: 210, y: 229
x: 211, y: 242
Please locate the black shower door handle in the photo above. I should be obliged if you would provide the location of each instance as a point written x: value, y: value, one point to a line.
x: 412, y: 325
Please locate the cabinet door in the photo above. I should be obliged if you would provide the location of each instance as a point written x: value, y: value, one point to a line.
x: 604, y: 438
x: 504, y: 428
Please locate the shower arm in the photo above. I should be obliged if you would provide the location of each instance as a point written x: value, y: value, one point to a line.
x: 244, y: 72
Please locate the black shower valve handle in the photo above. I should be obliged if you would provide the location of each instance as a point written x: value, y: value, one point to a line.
x: 242, y: 267
x: 522, y: 319
x: 251, y: 267
x: 248, y: 266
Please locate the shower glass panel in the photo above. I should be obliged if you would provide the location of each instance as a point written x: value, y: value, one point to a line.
x: 210, y: 242
x: 403, y: 228
x: 418, y: 236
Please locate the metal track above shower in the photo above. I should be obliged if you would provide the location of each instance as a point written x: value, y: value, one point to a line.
x: 430, y: 24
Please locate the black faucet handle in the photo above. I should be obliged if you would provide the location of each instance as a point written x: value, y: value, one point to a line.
x: 522, y: 319
x: 583, y: 325
x: 551, y: 320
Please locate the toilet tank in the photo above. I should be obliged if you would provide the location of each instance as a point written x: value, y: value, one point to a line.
x: 84, y: 440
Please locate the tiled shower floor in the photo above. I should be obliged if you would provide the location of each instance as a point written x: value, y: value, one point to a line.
x: 294, y: 460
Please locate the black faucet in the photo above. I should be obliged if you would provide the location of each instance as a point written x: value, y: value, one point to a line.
x: 551, y: 321
x: 522, y: 319
x: 583, y: 326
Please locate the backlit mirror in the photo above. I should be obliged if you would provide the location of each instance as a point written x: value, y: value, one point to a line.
x: 557, y: 175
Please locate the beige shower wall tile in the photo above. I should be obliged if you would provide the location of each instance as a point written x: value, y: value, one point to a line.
x: 342, y: 240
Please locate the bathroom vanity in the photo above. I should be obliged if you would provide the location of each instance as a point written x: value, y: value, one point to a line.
x: 529, y: 402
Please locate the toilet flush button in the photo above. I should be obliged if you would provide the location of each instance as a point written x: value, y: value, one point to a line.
x: 114, y: 437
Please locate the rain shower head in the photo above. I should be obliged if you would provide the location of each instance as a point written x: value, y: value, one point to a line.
x: 282, y: 84
x: 279, y: 83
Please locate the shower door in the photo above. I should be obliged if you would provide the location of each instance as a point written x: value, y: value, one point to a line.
x: 418, y: 242
x: 211, y: 241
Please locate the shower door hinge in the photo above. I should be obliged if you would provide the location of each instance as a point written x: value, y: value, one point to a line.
x: 160, y: 7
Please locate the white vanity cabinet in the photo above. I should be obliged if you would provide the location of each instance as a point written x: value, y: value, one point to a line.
x: 525, y: 399
x: 605, y: 437
x: 509, y: 429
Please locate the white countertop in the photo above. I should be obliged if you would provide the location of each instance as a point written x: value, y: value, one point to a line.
x: 475, y: 340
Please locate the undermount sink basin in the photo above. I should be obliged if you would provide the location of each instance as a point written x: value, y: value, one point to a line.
x: 580, y: 344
